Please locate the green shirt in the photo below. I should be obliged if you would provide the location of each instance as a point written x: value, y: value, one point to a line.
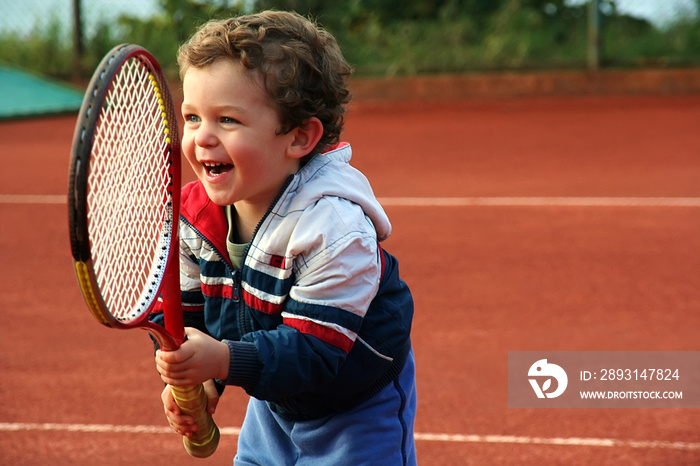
x: 236, y: 250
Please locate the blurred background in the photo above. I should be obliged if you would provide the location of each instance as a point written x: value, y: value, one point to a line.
x: 65, y: 39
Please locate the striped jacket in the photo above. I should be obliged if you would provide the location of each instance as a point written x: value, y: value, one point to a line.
x: 317, y: 319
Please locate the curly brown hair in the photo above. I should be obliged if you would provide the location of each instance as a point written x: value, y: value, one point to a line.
x: 304, y: 71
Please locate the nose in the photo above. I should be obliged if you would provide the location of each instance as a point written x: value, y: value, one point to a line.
x: 205, y: 136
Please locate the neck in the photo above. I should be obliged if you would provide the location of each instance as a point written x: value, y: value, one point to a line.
x: 246, y: 219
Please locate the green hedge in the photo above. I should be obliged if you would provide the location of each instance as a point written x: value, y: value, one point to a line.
x: 391, y: 37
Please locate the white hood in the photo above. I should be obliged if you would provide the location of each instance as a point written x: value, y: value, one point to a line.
x: 341, y: 180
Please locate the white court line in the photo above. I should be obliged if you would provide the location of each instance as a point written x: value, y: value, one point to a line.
x: 425, y: 437
x: 453, y: 201
x: 33, y: 199
x: 571, y: 441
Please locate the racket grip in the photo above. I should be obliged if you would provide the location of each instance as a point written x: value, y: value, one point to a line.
x: 192, y: 401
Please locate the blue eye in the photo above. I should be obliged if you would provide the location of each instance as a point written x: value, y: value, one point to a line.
x: 192, y: 118
x: 229, y: 120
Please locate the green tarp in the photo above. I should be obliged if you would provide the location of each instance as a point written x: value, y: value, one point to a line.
x: 24, y: 95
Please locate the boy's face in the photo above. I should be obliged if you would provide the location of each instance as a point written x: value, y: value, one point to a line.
x: 230, y: 136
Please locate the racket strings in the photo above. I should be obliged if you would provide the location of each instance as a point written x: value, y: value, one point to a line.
x: 129, y: 201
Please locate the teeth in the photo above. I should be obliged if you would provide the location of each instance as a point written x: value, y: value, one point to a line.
x: 216, y: 168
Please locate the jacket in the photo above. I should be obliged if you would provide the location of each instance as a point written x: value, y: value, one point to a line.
x: 317, y: 319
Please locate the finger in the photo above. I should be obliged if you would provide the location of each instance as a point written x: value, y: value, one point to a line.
x: 175, y: 370
x: 182, y: 430
x: 170, y: 407
x: 183, y: 378
x: 177, y: 380
x: 183, y: 423
x: 212, y: 396
x: 191, y: 332
x: 180, y: 355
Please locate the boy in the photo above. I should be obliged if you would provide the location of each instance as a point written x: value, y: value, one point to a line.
x: 286, y: 289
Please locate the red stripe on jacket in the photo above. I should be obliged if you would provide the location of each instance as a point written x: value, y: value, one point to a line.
x: 261, y: 305
x: 217, y: 291
x: 325, y: 334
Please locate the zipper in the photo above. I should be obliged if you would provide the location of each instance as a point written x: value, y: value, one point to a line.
x: 236, y: 288
x: 236, y: 294
x: 209, y: 243
x: 244, y: 324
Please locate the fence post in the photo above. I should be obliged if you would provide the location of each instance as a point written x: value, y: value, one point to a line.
x: 593, y: 35
x: 77, y: 41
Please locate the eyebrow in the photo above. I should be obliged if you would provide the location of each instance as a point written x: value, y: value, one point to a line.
x: 217, y: 108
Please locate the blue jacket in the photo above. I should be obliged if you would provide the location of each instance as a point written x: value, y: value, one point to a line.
x: 317, y: 318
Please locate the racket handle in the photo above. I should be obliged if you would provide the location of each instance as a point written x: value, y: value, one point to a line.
x: 192, y: 401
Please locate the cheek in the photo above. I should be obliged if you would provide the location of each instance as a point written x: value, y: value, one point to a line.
x: 187, y: 147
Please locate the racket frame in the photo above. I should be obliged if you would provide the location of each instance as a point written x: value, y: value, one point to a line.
x: 173, y: 335
x: 191, y: 400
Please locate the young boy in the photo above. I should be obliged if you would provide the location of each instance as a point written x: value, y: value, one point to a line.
x: 287, y: 291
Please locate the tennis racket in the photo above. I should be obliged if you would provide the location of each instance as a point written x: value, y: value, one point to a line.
x: 123, y: 201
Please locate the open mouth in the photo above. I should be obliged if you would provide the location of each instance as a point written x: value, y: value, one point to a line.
x: 217, y: 169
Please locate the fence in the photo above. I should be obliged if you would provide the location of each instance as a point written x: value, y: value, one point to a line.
x: 65, y: 38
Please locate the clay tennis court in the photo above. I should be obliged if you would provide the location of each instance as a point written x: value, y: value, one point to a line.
x: 540, y: 223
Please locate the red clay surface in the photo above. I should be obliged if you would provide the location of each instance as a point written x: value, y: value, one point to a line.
x: 486, y: 280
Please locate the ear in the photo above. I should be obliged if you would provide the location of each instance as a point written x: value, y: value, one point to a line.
x: 306, y: 136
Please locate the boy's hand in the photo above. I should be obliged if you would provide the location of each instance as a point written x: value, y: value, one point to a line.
x: 182, y: 424
x: 198, y: 360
